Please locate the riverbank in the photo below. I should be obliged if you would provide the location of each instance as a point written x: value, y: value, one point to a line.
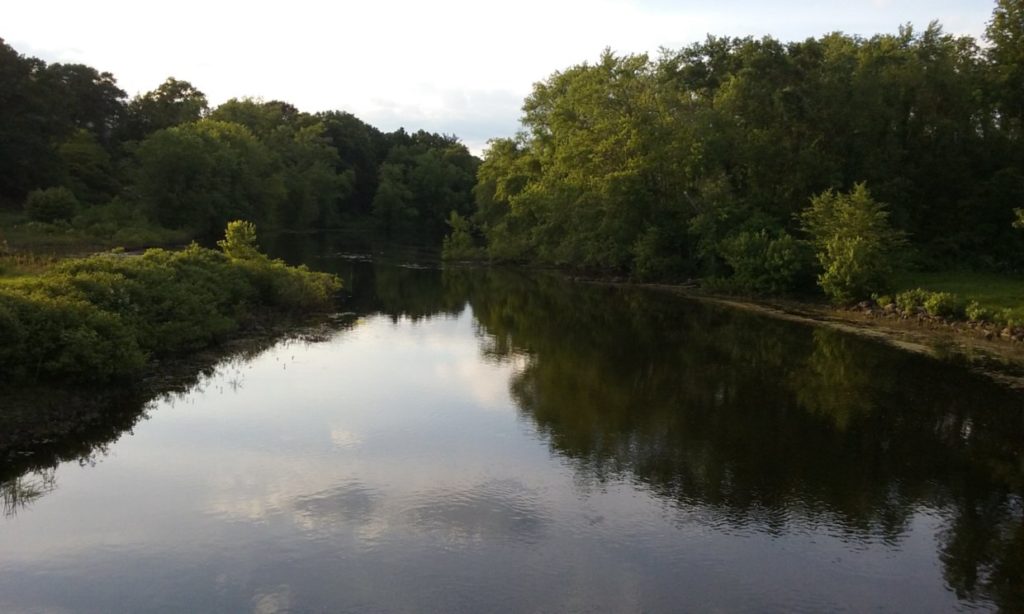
x: 981, y: 347
x: 995, y: 349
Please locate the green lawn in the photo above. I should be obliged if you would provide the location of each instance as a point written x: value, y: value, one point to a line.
x: 990, y: 290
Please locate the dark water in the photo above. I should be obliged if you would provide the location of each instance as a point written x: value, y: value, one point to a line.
x: 496, y: 441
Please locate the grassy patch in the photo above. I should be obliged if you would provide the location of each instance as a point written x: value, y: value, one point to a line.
x: 988, y: 289
x: 105, y: 316
x: 14, y: 265
x: 995, y: 297
x: 97, y: 229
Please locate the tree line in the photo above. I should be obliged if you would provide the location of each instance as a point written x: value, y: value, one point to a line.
x: 75, y: 148
x: 760, y: 163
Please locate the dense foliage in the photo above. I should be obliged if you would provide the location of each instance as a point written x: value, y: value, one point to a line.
x: 103, y: 316
x: 167, y: 160
x: 855, y: 244
x: 51, y: 205
x: 697, y: 163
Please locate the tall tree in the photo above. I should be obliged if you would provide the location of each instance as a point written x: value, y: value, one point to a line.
x: 26, y: 156
x: 173, y: 103
x: 84, y: 98
x: 203, y: 174
x: 1005, y: 32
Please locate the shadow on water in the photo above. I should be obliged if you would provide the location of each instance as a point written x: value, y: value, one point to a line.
x: 760, y: 424
x: 770, y: 425
x: 42, y: 427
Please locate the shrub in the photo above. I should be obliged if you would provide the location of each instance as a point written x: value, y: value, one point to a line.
x: 289, y: 288
x: 63, y: 336
x: 459, y: 243
x: 123, y: 223
x: 277, y: 284
x: 910, y: 299
x: 763, y: 263
x: 100, y: 317
x: 656, y: 255
x: 1009, y: 317
x: 174, y: 301
x: 944, y: 304
x: 51, y: 205
x: 976, y: 313
x: 856, y: 246
x: 240, y: 240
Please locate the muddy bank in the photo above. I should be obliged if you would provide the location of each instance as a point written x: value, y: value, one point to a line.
x: 983, y: 348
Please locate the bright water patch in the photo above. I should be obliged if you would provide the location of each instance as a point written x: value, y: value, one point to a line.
x: 485, y: 441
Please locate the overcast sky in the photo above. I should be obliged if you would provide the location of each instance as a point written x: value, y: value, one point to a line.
x: 453, y: 66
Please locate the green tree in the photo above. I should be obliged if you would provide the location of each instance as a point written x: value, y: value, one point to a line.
x: 1005, y: 32
x: 27, y: 158
x: 421, y: 182
x: 312, y: 172
x: 361, y: 148
x: 764, y: 263
x: 51, y: 205
x: 200, y: 175
x: 393, y: 203
x: 88, y: 170
x: 173, y: 103
x: 239, y: 240
x: 83, y: 98
x: 459, y: 244
x: 857, y: 248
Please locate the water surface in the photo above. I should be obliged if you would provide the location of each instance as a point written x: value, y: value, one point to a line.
x: 495, y: 441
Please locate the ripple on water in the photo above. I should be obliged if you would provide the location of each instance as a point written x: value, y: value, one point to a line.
x: 498, y: 510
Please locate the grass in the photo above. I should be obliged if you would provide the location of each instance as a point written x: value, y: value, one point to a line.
x: 13, y: 266
x: 991, y: 290
x: 99, y: 229
x: 21, y: 236
x: 992, y: 297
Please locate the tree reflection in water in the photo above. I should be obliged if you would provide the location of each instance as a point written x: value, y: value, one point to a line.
x: 771, y: 426
x: 19, y: 492
x: 755, y: 424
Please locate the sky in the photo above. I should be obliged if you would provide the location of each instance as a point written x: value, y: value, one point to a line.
x: 459, y: 67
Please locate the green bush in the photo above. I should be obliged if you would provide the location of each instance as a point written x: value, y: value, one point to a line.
x: 459, y: 243
x: 856, y: 246
x: 944, y: 304
x: 122, y: 223
x: 288, y: 288
x: 175, y: 301
x: 51, y: 205
x: 1009, y: 317
x: 911, y: 299
x: 47, y: 336
x: 764, y: 263
x: 240, y: 240
x: 100, y: 317
x: 655, y: 256
x: 976, y: 313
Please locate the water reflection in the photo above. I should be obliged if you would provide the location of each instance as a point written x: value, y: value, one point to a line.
x: 18, y: 493
x: 659, y: 452
x: 493, y: 510
x: 769, y: 425
x: 42, y: 427
x: 339, y: 506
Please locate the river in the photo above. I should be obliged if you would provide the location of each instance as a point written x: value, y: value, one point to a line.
x: 484, y: 440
